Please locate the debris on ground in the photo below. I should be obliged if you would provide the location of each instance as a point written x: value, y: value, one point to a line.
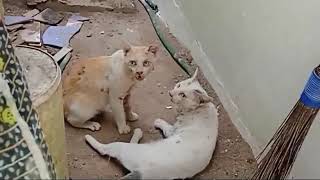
x: 88, y: 4
x: 49, y: 16
x: 169, y: 107
x: 60, y: 36
x: 130, y: 30
x: 31, y: 33
x: 65, y: 61
x: 46, y: 30
x: 11, y: 20
x: 31, y: 13
x: 14, y: 28
x: 62, y: 53
x: 89, y: 34
x: 17, y: 40
x: 77, y: 17
x: 51, y: 50
x: 13, y: 38
x: 35, y: 2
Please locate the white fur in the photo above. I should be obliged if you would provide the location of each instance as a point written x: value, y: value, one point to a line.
x: 187, y: 148
x: 119, y: 85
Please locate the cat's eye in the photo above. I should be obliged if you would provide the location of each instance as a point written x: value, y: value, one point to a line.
x: 178, y: 85
x: 182, y: 95
x: 146, y: 63
x: 132, y: 63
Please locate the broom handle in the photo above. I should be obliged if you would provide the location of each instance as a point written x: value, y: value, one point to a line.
x: 310, y: 96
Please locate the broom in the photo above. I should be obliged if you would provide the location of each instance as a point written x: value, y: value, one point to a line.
x: 287, y: 141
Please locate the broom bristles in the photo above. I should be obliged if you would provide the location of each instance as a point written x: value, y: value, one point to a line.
x: 288, y: 139
x: 285, y: 144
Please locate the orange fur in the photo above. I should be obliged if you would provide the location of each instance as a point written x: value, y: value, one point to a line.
x: 88, y: 76
x: 96, y: 84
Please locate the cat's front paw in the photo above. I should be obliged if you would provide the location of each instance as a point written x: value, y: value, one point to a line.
x: 93, y: 126
x: 138, y: 133
x: 133, y: 116
x: 158, y: 123
x: 124, y: 129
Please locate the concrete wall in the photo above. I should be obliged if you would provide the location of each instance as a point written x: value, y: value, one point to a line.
x: 257, y: 54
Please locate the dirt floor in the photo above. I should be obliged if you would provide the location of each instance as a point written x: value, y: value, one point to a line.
x: 103, y: 35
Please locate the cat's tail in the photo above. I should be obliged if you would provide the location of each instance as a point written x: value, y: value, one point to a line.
x: 111, y: 149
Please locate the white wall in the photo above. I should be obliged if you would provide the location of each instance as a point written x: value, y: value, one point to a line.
x: 257, y: 54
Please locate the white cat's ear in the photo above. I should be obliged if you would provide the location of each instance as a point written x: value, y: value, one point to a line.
x: 153, y: 49
x: 203, y: 98
x: 194, y: 76
x: 126, y: 49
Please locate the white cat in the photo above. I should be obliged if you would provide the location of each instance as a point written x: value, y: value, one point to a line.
x: 188, y: 145
x: 94, y: 85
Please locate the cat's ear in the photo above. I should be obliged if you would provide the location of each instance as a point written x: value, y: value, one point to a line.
x: 153, y: 49
x: 194, y: 76
x: 203, y: 98
x: 126, y: 49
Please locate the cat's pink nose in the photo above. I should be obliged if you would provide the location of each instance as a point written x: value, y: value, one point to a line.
x: 139, y: 72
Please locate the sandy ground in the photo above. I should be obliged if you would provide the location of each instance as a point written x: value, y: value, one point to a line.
x: 102, y: 36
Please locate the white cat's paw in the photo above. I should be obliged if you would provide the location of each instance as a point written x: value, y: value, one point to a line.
x: 93, y: 126
x: 89, y: 139
x: 133, y: 116
x: 158, y: 123
x: 138, y: 133
x: 124, y: 129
